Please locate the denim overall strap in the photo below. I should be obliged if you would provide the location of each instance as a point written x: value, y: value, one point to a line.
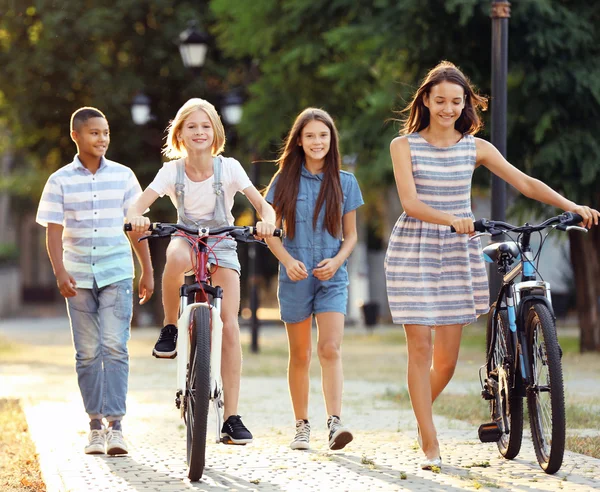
x: 220, y: 214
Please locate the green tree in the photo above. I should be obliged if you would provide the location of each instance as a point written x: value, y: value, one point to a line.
x: 57, y: 57
x: 361, y: 59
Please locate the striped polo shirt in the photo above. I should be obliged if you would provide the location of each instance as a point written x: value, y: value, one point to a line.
x: 92, y: 209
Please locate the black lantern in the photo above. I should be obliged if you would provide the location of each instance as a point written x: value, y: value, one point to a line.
x: 140, y: 109
x: 231, y: 108
x: 193, y: 45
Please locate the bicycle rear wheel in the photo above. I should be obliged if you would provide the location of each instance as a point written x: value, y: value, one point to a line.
x: 506, y: 408
x: 198, y: 392
x: 545, y: 396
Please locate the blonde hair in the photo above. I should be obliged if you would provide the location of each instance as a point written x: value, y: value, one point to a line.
x: 174, y: 148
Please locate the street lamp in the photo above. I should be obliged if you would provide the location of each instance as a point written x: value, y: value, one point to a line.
x: 193, y: 45
x: 500, y: 15
x: 231, y: 108
x: 140, y: 109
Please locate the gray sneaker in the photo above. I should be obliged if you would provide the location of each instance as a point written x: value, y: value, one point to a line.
x: 339, y: 435
x: 96, y: 442
x: 115, y: 444
x: 301, y: 441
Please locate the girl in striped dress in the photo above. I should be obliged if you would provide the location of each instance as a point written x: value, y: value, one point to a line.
x: 436, y: 279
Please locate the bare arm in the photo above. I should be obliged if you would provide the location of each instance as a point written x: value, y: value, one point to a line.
x: 264, y: 209
x: 296, y: 270
x: 407, y: 191
x: 142, y: 252
x: 139, y: 223
x: 327, y: 268
x: 490, y: 157
x: 66, y: 283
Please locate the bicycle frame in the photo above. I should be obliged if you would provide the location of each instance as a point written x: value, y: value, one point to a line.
x: 517, y: 296
x: 197, y: 291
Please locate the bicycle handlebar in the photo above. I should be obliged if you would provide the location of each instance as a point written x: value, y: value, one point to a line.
x: 565, y: 220
x: 166, y: 229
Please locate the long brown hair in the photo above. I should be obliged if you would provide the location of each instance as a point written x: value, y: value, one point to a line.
x: 469, y: 121
x: 290, y: 167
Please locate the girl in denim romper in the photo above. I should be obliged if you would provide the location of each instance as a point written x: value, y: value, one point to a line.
x: 316, y: 203
x: 197, y: 137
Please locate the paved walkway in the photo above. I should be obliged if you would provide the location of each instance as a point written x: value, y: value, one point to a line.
x: 383, y: 455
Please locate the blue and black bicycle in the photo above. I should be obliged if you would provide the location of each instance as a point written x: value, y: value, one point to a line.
x: 523, y: 356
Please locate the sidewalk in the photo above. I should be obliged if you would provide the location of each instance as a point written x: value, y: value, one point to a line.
x: 382, y: 453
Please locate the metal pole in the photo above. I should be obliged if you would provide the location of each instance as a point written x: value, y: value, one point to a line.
x: 500, y: 15
x: 253, y: 273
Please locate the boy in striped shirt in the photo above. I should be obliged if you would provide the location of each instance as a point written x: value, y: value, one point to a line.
x: 83, y: 207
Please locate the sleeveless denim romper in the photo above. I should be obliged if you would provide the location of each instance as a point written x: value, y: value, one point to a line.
x: 225, y: 250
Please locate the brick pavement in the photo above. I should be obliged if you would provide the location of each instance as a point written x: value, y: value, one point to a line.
x: 383, y: 455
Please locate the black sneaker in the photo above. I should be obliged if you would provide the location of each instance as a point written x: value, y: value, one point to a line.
x: 234, y: 431
x: 166, y: 346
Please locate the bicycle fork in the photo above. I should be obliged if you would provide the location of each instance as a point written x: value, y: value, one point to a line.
x: 183, y: 348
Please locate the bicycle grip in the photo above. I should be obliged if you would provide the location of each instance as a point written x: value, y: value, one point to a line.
x: 571, y: 218
x: 276, y: 232
x: 478, y: 224
x: 127, y: 227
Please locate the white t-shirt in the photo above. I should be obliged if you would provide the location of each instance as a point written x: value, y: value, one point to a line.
x: 199, y: 197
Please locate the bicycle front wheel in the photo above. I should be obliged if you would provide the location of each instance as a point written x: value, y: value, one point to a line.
x: 198, y: 392
x: 506, y: 408
x: 545, y: 396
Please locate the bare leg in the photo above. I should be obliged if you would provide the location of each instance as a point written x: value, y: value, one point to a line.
x: 445, y: 357
x: 300, y: 348
x: 178, y: 262
x: 419, y: 345
x: 231, y: 354
x: 329, y: 349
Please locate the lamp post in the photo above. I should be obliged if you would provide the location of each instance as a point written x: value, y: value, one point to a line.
x: 140, y: 109
x: 231, y: 109
x: 193, y: 45
x: 500, y: 15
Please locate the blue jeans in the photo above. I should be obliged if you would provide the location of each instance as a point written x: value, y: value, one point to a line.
x: 100, y: 323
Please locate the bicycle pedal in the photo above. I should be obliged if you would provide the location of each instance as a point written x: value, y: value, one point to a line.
x: 164, y: 356
x: 486, y: 395
x: 489, y: 432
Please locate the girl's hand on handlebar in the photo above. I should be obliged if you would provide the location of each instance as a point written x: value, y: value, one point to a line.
x: 139, y: 224
x: 590, y: 216
x: 296, y: 270
x: 264, y: 229
x: 463, y: 225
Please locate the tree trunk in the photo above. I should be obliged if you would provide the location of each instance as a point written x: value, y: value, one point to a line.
x: 585, y: 259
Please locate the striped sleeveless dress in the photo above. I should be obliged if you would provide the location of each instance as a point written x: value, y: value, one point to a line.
x: 435, y: 277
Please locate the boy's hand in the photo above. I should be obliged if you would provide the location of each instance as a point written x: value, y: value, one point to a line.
x: 66, y: 284
x: 296, y: 270
x: 326, y: 268
x: 264, y: 229
x: 146, y: 287
x: 139, y: 224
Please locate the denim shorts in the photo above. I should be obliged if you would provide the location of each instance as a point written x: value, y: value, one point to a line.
x: 299, y: 300
x: 223, y: 254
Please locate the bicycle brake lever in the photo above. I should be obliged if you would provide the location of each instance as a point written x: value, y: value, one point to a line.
x: 479, y: 234
x: 576, y: 228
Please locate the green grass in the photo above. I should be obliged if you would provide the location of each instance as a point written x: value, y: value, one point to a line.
x: 590, y: 446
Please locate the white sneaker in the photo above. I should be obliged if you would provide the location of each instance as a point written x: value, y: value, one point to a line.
x: 96, y: 442
x: 115, y: 444
x: 302, y: 435
x: 339, y: 435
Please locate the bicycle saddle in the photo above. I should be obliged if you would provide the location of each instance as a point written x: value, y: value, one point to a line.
x: 492, y: 252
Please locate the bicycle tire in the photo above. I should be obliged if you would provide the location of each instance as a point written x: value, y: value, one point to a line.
x: 198, y: 393
x: 549, y: 444
x: 509, y: 443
